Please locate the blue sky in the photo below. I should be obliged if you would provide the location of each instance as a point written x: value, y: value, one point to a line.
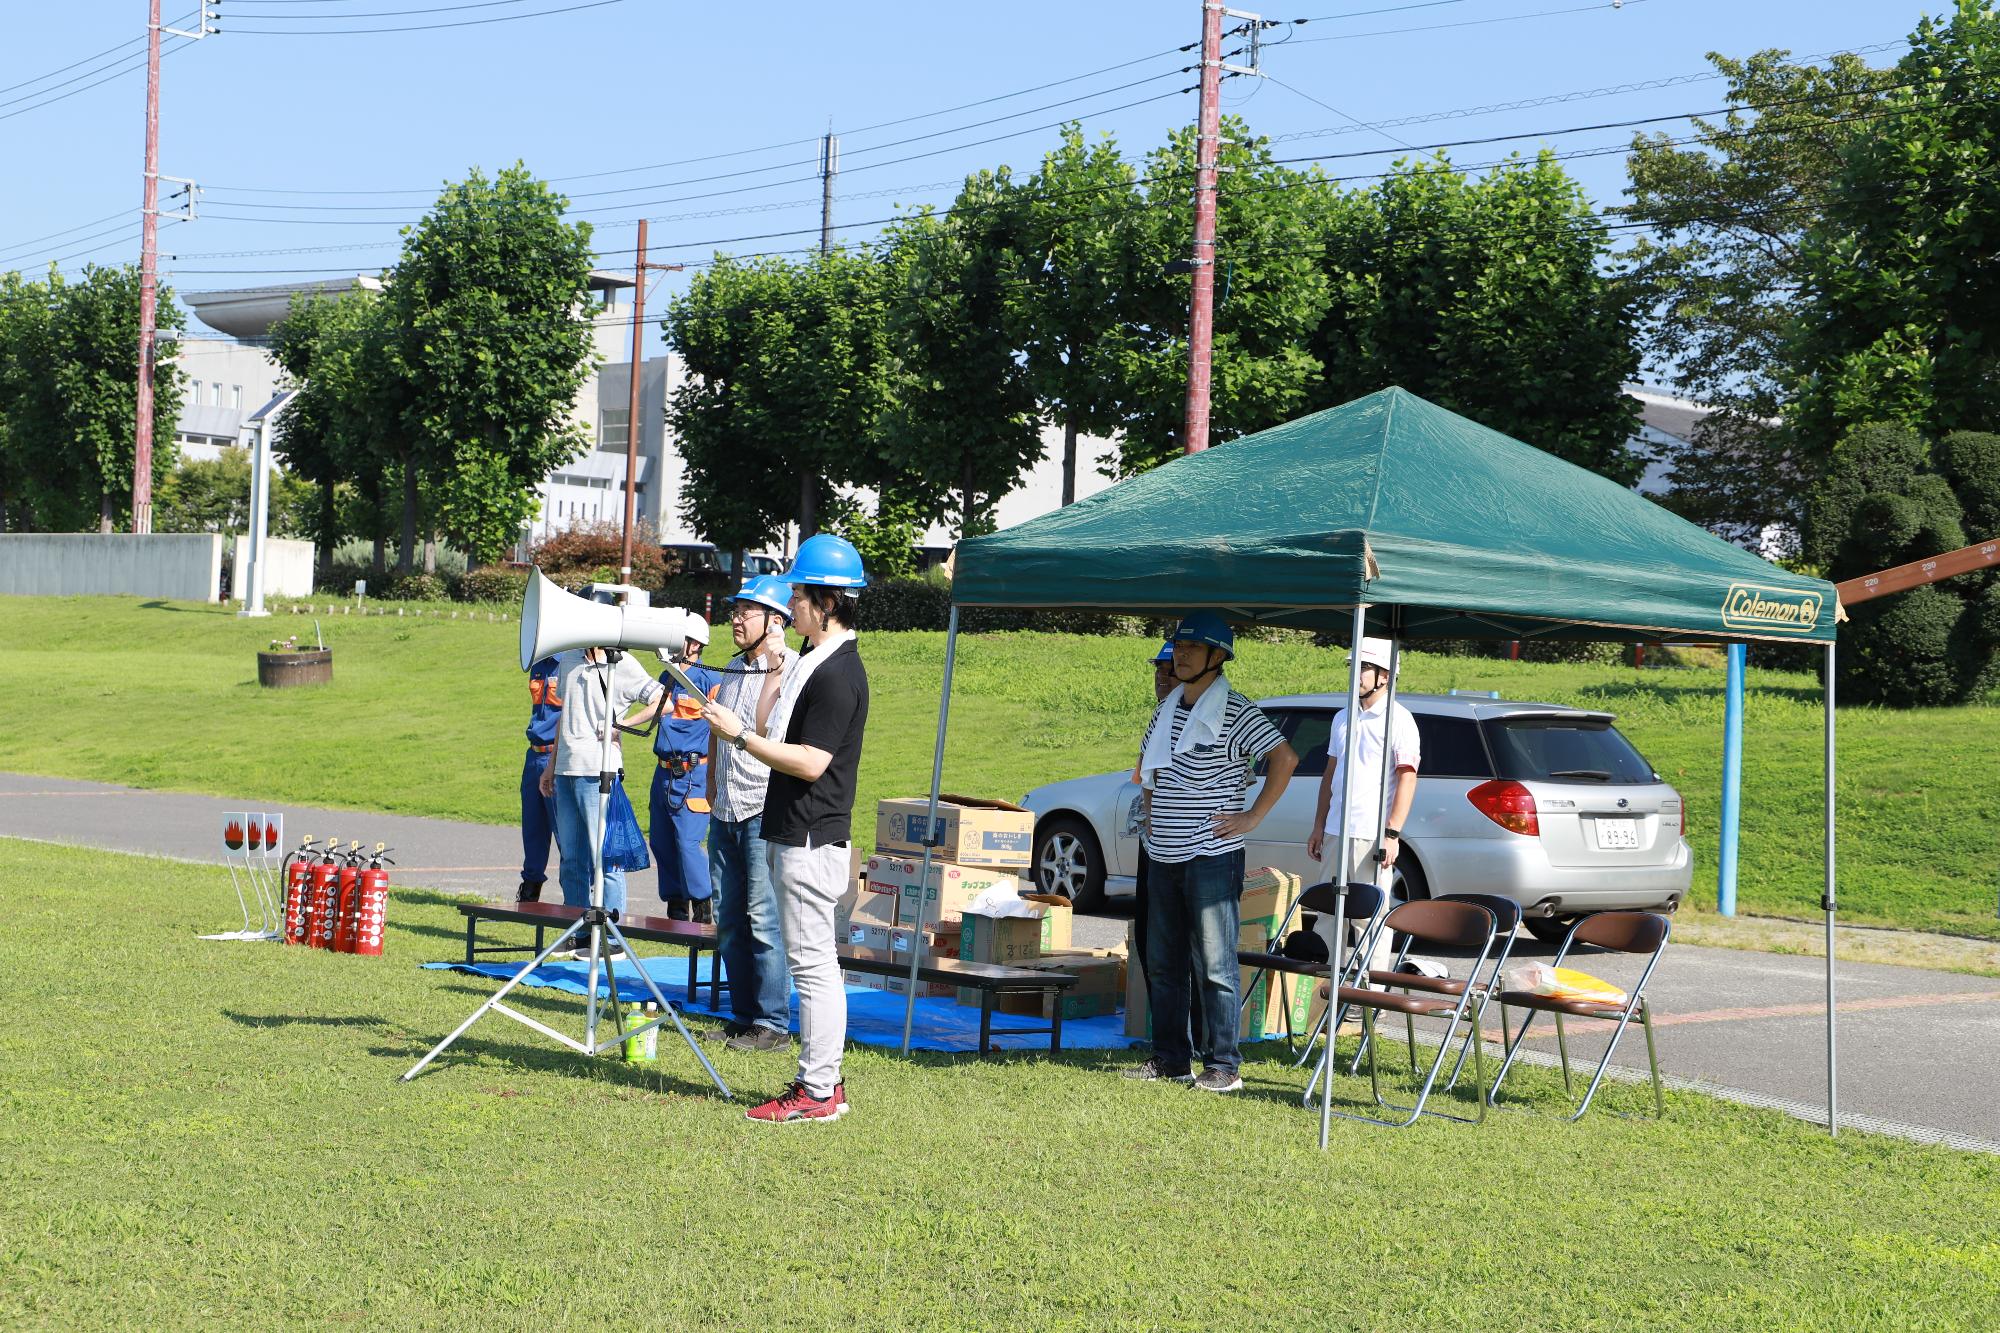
x: 594, y: 92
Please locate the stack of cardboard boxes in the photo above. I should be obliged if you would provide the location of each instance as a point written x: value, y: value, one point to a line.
x: 1268, y: 895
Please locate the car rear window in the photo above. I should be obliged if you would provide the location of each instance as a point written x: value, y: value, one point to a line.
x: 1555, y: 749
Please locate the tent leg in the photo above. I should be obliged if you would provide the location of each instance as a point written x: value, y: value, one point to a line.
x: 1336, y: 855
x: 930, y: 827
x: 1732, y: 782
x: 1827, y: 904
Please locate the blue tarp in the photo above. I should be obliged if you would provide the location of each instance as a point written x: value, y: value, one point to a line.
x: 874, y: 1017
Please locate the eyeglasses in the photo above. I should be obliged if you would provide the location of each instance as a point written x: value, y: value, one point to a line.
x: 743, y: 611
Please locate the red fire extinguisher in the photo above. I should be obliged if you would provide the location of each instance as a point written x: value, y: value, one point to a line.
x: 325, y: 897
x: 297, y: 874
x: 373, y: 908
x: 348, y: 900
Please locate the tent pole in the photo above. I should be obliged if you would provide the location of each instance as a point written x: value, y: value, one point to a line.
x: 930, y: 826
x: 1388, y: 747
x: 1336, y: 855
x: 1732, y: 782
x: 1827, y: 904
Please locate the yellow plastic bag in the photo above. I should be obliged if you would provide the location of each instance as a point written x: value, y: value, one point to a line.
x: 1563, y: 983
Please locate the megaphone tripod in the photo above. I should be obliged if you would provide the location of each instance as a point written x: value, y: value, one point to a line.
x: 599, y: 928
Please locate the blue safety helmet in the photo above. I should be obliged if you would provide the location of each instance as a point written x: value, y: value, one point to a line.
x: 770, y: 592
x: 1209, y: 628
x: 1166, y: 653
x: 827, y: 561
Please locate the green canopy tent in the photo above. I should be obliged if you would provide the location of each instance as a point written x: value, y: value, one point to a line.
x: 1390, y: 515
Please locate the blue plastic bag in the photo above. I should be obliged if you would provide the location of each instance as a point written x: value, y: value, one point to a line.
x: 624, y: 842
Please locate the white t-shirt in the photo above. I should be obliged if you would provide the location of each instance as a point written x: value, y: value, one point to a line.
x: 580, y: 733
x: 1368, y: 808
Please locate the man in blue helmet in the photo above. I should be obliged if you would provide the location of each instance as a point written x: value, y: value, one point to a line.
x: 538, y: 812
x: 1163, y: 685
x: 750, y: 939
x: 1195, y: 763
x: 679, y: 803
x: 812, y: 744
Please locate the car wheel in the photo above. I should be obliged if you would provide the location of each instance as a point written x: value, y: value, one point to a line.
x: 1069, y: 863
x: 1406, y: 880
x: 1549, y: 929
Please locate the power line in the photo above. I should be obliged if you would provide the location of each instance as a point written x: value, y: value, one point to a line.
x: 1468, y: 23
x: 421, y: 27
x: 73, y: 64
x: 235, y: 14
x: 138, y: 60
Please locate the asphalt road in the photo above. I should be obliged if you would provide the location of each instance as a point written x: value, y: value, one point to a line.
x: 1914, y: 1044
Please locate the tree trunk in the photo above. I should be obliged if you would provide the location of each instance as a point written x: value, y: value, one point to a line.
x: 3, y: 513
x: 407, y: 552
x: 430, y: 553
x: 104, y: 512
x: 379, y: 561
x: 328, y: 521
x: 965, y: 493
x: 808, y: 505
x: 1069, y: 462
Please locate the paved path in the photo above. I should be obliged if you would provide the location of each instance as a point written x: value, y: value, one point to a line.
x: 1915, y: 1045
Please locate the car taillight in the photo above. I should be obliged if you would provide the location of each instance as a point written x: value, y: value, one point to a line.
x: 1508, y: 804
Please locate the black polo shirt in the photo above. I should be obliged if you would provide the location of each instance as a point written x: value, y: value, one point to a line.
x: 830, y: 714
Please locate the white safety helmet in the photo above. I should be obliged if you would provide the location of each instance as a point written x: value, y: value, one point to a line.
x: 1374, y: 652
x: 697, y: 629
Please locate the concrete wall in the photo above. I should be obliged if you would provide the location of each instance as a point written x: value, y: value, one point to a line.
x: 184, y: 567
x: 288, y: 567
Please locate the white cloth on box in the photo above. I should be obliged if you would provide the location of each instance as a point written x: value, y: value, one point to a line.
x: 580, y: 733
x: 1203, y: 727
x: 1004, y: 899
x: 1364, y: 820
x: 797, y: 673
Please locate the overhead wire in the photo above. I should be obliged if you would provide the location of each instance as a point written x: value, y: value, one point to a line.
x: 417, y: 27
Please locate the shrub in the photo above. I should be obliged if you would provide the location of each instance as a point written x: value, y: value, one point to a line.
x: 494, y: 583
x: 417, y: 587
x: 589, y: 553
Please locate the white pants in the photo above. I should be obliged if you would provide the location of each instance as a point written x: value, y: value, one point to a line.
x: 809, y: 882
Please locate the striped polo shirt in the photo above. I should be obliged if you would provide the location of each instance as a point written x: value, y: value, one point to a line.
x: 1205, y: 781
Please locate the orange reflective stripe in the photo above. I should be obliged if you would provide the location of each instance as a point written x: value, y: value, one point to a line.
x: 686, y: 707
x: 535, y: 689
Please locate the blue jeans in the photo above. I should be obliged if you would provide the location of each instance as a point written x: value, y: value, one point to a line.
x: 750, y: 939
x: 538, y: 820
x: 676, y: 834
x: 1192, y: 910
x: 576, y: 820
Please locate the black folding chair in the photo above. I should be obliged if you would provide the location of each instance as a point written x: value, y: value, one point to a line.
x: 1506, y: 917
x: 1622, y: 932
x: 1445, y: 924
x: 1364, y: 907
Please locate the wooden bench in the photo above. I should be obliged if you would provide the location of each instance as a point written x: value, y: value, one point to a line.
x: 693, y: 936
x: 989, y: 979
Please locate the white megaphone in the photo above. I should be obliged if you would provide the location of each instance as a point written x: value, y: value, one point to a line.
x: 554, y: 621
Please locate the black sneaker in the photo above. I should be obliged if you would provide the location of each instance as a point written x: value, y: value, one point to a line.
x: 1151, y: 1072
x: 701, y: 911
x: 729, y: 1031
x: 677, y: 909
x: 1219, y: 1080
x: 529, y: 892
x: 760, y: 1038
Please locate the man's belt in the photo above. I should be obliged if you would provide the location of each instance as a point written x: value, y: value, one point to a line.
x: 542, y: 749
x: 680, y: 763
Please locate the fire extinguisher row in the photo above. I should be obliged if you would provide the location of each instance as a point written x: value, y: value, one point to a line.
x: 336, y: 899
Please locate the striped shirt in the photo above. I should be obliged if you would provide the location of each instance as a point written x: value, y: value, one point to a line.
x: 1205, y: 781
x: 740, y: 778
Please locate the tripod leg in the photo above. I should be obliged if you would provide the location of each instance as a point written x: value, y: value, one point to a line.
x: 492, y: 1001
x: 670, y: 1013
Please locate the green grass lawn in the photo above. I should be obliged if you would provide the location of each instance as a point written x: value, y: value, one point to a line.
x: 425, y: 717
x: 203, y: 1134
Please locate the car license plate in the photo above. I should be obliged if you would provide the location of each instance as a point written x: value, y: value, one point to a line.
x: 1617, y: 835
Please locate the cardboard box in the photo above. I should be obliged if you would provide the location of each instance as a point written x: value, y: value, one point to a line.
x: 1263, y: 1016
x: 1000, y: 939
x: 1099, y: 982
x: 1138, y: 1010
x: 1268, y: 895
x: 945, y: 896
x: 969, y: 831
x: 1058, y: 920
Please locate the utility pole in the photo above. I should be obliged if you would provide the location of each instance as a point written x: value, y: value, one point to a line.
x: 1208, y: 137
x: 829, y: 167
x: 632, y: 398
x: 149, y: 264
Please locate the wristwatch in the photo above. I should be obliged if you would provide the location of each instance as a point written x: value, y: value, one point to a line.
x: 741, y: 740
x: 1395, y: 833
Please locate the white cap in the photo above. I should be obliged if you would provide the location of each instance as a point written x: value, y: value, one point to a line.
x: 1374, y: 652
x: 697, y: 629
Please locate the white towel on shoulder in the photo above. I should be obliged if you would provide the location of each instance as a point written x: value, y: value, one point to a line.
x: 1203, y: 727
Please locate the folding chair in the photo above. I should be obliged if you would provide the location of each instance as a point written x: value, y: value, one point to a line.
x: 1446, y: 924
x: 1621, y: 932
x: 1364, y: 907
x: 1506, y: 917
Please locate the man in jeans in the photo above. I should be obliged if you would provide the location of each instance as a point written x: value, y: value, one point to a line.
x: 1195, y: 763
x: 812, y: 744
x: 746, y: 909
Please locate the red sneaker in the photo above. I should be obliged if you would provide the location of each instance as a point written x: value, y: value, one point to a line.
x: 795, y: 1104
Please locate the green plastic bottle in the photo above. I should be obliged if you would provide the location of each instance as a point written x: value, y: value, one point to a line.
x: 645, y: 1048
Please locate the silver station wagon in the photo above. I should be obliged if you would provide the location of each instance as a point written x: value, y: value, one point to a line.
x: 1547, y: 805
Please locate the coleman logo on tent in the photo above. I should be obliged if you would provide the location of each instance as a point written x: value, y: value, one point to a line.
x: 1750, y: 607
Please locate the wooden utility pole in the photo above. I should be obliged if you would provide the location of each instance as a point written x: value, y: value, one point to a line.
x: 149, y: 291
x: 639, y: 269
x: 1201, y: 305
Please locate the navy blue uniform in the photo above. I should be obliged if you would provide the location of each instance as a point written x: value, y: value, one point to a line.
x: 538, y: 816
x: 680, y: 789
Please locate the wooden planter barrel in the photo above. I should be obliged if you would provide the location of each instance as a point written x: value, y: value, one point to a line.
x: 308, y: 666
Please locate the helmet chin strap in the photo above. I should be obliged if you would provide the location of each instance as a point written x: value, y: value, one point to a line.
x: 1210, y: 670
